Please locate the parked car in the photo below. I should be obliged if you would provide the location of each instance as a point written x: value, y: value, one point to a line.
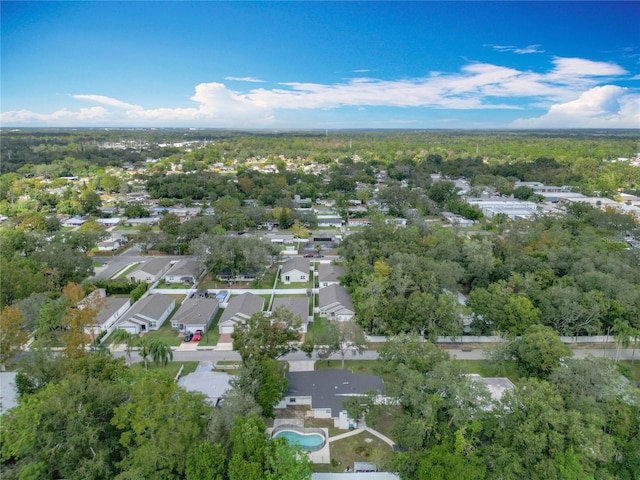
x: 196, y: 337
x: 188, y: 337
x: 319, y: 256
x: 308, y: 255
x: 199, y: 332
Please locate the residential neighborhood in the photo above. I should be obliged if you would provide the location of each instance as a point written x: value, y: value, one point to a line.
x: 365, y: 311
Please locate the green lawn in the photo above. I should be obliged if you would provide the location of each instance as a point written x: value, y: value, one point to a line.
x: 356, y: 366
x: 363, y: 447
x: 129, y: 269
x: 485, y: 368
x: 171, y: 369
x: 174, y: 286
x: 317, y: 327
x: 266, y: 282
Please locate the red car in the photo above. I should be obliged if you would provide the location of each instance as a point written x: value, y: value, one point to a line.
x: 197, y: 335
x: 309, y: 255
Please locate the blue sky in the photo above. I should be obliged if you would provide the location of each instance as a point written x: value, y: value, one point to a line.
x: 321, y: 64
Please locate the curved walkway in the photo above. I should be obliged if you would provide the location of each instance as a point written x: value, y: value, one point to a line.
x: 357, y: 431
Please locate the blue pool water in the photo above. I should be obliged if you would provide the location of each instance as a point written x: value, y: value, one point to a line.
x: 308, y: 441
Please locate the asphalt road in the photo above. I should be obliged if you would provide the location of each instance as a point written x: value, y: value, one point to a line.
x: 116, y: 263
x: 476, y: 354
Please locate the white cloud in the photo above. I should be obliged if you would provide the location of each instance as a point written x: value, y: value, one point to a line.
x: 567, y: 68
x: 59, y: 117
x: 244, y: 79
x: 112, y: 102
x: 608, y: 106
x: 570, y: 85
x: 521, y: 51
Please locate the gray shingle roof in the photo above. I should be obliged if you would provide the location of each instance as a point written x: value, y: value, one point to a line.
x: 297, y: 305
x: 185, y: 268
x: 296, y: 263
x: 246, y: 304
x: 153, y: 267
x: 196, y: 311
x: 111, y: 306
x: 330, y: 273
x: 335, y: 294
x: 330, y: 387
x: 152, y: 306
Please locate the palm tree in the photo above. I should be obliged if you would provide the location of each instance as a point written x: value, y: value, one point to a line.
x: 145, y: 351
x: 122, y: 336
x: 160, y: 352
x: 623, y: 335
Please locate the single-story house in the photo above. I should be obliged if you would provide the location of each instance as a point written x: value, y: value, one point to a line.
x: 76, y: 221
x: 330, y: 221
x: 110, y: 312
x: 109, y: 222
x: 299, y: 306
x: 195, y: 313
x: 148, y: 313
x: 328, y: 274
x: 136, y: 222
x: 335, y: 303
x: 497, y: 386
x: 280, y: 238
x: 295, y: 270
x: 324, y: 391
x: 150, y: 271
x: 239, y: 309
x: 359, y: 222
x: 109, y: 245
x: 184, y: 271
x: 212, y: 384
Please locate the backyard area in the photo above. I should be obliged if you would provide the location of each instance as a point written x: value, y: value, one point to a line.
x: 266, y: 282
x: 363, y: 447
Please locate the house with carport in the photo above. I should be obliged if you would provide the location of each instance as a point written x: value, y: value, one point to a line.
x: 148, y: 313
x: 335, y: 303
x: 195, y: 313
x: 239, y: 309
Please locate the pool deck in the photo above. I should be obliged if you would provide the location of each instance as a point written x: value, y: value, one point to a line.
x: 319, y: 456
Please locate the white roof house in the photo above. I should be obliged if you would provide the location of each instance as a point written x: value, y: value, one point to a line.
x: 213, y: 384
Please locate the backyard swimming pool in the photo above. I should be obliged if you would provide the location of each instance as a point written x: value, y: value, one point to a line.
x: 308, y: 441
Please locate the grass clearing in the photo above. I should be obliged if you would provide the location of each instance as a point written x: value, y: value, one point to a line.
x: 128, y: 270
x: 171, y: 369
x: 485, y: 368
x: 363, y: 447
